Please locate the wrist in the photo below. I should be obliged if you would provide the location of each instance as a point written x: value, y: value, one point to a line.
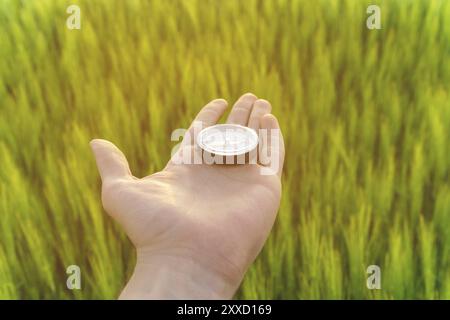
x: 160, y: 276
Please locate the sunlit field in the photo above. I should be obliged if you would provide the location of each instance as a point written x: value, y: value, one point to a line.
x: 365, y: 115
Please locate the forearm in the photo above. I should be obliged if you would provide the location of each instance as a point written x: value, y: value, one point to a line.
x: 165, y: 277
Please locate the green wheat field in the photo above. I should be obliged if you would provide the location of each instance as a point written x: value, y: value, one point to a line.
x: 365, y: 115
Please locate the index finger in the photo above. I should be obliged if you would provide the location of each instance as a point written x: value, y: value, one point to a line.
x: 208, y: 116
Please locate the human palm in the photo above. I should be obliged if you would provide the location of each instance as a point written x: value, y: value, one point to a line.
x: 217, y: 216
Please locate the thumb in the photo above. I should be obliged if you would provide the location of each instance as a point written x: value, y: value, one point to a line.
x: 111, y: 162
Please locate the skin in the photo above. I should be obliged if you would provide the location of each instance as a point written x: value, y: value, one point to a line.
x: 196, y: 227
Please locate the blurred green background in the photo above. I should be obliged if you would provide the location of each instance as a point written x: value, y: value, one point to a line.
x: 365, y: 115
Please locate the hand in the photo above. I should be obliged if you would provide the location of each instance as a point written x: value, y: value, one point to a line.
x: 196, y: 227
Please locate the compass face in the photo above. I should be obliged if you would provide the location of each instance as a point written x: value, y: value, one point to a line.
x: 227, y: 139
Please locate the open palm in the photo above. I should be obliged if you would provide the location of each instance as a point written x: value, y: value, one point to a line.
x: 215, y: 216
